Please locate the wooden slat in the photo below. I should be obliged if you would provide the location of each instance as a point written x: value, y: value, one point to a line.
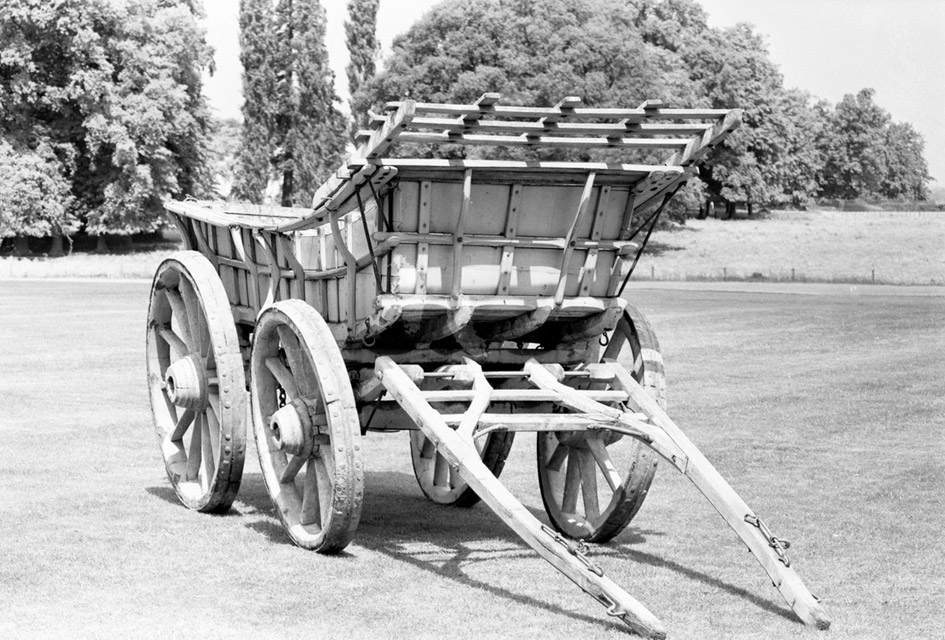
x: 516, y: 327
x: 587, y: 113
x: 569, y: 238
x: 507, y: 262
x: 250, y: 266
x: 541, y: 140
x: 456, y: 285
x: 351, y: 269
x: 402, y: 238
x: 606, y: 130
x: 423, y: 226
x: 589, y: 270
x: 275, y: 273
x: 447, y: 324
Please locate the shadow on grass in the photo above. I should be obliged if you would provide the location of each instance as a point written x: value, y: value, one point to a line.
x: 656, y: 561
x: 400, y: 523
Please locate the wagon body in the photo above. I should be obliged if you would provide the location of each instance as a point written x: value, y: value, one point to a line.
x: 402, y: 253
x: 464, y: 299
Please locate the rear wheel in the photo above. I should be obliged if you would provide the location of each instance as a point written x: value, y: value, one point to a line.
x: 438, y: 481
x: 593, y: 483
x: 196, y: 382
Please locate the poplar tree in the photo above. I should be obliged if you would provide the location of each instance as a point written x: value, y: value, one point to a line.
x: 293, y: 131
x: 363, y: 49
x: 257, y: 52
x: 311, y: 129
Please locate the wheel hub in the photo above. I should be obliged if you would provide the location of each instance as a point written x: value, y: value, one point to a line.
x: 292, y: 429
x: 185, y: 382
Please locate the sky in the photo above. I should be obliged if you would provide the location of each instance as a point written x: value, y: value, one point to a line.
x: 827, y: 47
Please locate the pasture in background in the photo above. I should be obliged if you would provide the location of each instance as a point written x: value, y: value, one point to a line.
x: 811, y: 246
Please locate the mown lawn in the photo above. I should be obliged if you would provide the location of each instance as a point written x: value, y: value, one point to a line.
x: 826, y: 412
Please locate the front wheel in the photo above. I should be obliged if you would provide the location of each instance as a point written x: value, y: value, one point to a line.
x: 308, y: 435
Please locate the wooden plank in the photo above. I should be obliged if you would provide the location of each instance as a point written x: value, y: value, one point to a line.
x: 700, y: 144
x: 559, y: 142
x: 423, y: 226
x: 477, y: 240
x: 507, y: 262
x: 518, y: 326
x: 586, y: 276
x: 384, y: 137
x: 249, y: 278
x: 462, y: 456
x: 587, y: 113
x: 457, y: 283
x: 275, y: 273
x: 569, y: 238
x: 447, y: 324
x: 619, y: 129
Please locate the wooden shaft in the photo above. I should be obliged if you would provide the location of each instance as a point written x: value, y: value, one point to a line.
x: 462, y: 456
x: 670, y: 443
x: 728, y: 503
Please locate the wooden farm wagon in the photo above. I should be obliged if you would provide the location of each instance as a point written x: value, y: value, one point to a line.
x: 463, y: 299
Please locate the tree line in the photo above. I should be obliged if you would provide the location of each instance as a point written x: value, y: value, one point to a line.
x: 102, y: 113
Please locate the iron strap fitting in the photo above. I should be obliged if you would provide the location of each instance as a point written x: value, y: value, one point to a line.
x: 577, y: 548
x: 779, y: 545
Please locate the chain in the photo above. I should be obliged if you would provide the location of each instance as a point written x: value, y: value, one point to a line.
x: 778, y: 544
x: 577, y: 548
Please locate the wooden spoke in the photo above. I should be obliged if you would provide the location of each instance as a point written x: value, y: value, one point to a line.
x: 180, y: 314
x: 297, y: 362
x: 558, y: 457
x: 588, y: 483
x: 283, y: 377
x: 196, y: 448
x: 181, y: 428
x: 292, y: 468
x: 597, y: 449
x: 311, y: 500
x: 194, y: 320
x: 572, y: 484
x: 320, y: 508
x: 213, y: 428
x: 427, y: 449
x: 175, y: 342
x: 207, y: 457
x: 186, y: 291
x: 441, y: 473
x: 324, y: 472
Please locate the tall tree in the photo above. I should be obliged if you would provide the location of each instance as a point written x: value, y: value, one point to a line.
x: 257, y: 55
x: 855, y: 159
x: 363, y: 49
x: 310, y: 128
x: 294, y: 133
x: 907, y: 173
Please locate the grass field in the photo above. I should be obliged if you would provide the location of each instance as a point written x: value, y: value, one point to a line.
x: 825, y: 412
x: 826, y: 246
x: 819, y: 246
